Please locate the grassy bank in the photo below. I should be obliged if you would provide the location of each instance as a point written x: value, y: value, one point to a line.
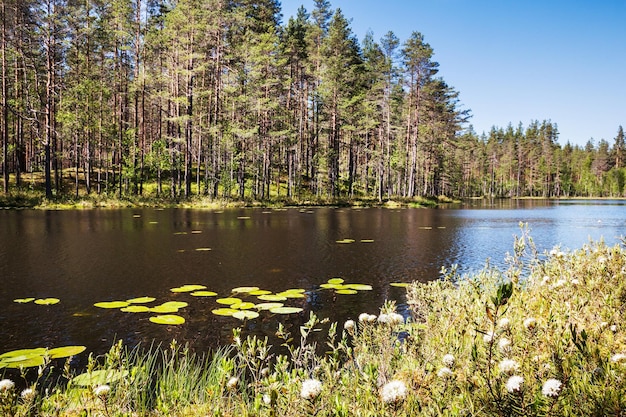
x: 545, y: 337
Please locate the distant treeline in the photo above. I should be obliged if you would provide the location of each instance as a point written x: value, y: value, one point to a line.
x: 219, y: 98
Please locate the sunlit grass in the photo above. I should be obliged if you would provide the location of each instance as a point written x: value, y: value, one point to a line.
x: 546, y: 337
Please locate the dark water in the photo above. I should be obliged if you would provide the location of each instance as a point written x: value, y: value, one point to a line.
x: 83, y: 257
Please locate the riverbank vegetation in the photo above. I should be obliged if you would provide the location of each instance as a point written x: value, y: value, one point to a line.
x: 545, y: 337
x: 221, y: 100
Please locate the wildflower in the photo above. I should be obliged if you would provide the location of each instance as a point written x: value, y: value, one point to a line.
x: 311, y: 389
x: 444, y: 372
x: 267, y: 399
x: 551, y: 388
x: 6, y: 385
x: 448, y: 360
x: 28, y: 394
x: 367, y: 318
x: 504, y: 323
x: 613, y: 328
x: 545, y: 280
x: 395, y: 318
x: 601, y: 259
x: 232, y: 383
x: 488, y: 337
x: 618, y: 357
x: 604, y: 324
x: 559, y: 283
x: 504, y: 345
x: 393, y: 392
x: 514, y: 383
x: 530, y: 323
x: 384, y: 319
x: 101, y: 390
x: 349, y: 325
x: 575, y: 281
x: 508, y: 366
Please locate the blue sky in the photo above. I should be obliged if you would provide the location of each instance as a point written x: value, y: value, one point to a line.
x: 515, y: 61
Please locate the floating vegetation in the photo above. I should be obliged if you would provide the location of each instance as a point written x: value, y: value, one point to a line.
x: 203, y: 249
x: 224, y: 311
x: 196, y: 232
x: 272, y: 297
x: 245, y: 289
x: 141, y: 300
x: 112, y: 304
x: 204, y: 294
x: 189, y: 288
x: 135, y: 309
x: 168, y: 319
x: 400, y: 284
x: 346, y: 291
x: 367, y: 240
x: 358, y: 287
x: 336, y: 281
x: 242, y: 305
x: 99, y: 377
x: 243, y: 217
x: 285, y: 310
x: 245, y: 314
x: 291, y: 294
x: 28, y: 358
x: 164, y: 309
x: 180, y: 233
x: 228, y: 300
x: 346, y: 241
x: 268, y: 306
x: 338, y: 284
x: 23, y: 300
x: 260, y: 292
x: 47, y: 301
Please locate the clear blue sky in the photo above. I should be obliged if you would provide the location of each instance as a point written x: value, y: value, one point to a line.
x: 515, y: 61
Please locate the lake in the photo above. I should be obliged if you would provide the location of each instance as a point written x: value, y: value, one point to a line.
x: 90, y: 256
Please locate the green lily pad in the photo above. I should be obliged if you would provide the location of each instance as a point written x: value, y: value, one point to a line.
x: 65, y: 351
x: 23, y: 300
x: 169, y: 319
x: 345, y: 241
x: 268, y: 306
x: 24, y: 361
x: 285, y: 310
x: 224, y: 311
x: 141, y: 300
x: 228, y: 300
x: 164, y: 309
x: 358, y: 287
x: 328, y: 286
x: 400, y: 284
x: 204, y: 294
x: 47, y: 301
x: 99, y: 377
x: 367, y: 240
x: 242, y: 306
x: 22, y: 352
x: 289, y: 294
x: 336, y: 281
x: 271, y: 297
x: 135, y: 309
x: 175, y: 304
x: 112, y: 304
x: 260, y: 292
x: 203, y: 249
x: 245, y: 314
x: 188, y: 288
x: 244, y: 289
x: 243, y: 217
x: 346, y: 291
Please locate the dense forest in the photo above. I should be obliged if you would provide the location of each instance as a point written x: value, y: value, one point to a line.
x: 221, y: 98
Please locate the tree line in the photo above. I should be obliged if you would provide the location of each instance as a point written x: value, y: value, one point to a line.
x: 220, y: 98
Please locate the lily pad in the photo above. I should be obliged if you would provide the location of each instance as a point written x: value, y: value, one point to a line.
x: 135, y: 309
x: 188, y: 288
x: 245, y: 314
x: 268, y: 306
x: 203, y: 249
x: 260, y: 292
x: 228, y: 300
x: 400, y: 284
x: 65, y: 351
x: 242, y: 306
x: 285, y: 310
x: 141, y: 300
x: 358, y: 287
x: 23, y: 361
x: 346, y: 292
x: 175, y: 304
x: 164, y: 309
x: 99, y: 377
x: 112, y: 304
x: 244, y: 289
x: 289, y: 294
x: 169, y: 319
x: 336, y: 281
x: 272, y: 297
x: 204, y: 294
x: 343, y: 241
x: 23, y: 300
x: 328, y: 286
x: 47, y: 301
x: 367, y: 240
x: 224, y: 311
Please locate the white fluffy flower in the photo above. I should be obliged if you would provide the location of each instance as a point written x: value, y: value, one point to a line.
x: 504, y: 345
x: 551, y: 388
x: 6, y: 385
x: 613, y: 328
x: 514, y: 383
x: 488, y: 337
x: 504, y: 323
x: 393, y: 392
x: 618, y: 357
x: 367, y: 318
x: 508, y: 366
x: 311, y: 389
x: 28, y: 394
x: 395, y: 318
x: 444, y: 372
x: 448, y: 360
x: 232, y: 383
x: 349, y: 325
x: 101, y: 390
x: 530, y: 323
x: 267, y: 399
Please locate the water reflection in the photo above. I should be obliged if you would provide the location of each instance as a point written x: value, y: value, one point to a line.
x: 83, y: 257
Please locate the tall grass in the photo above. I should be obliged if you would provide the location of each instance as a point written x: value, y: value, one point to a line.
x: 546, y: 337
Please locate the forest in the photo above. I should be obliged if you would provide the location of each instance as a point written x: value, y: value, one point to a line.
x: 221, y: 98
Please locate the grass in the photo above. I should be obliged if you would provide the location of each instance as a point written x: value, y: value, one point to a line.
x: 545, y: 337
